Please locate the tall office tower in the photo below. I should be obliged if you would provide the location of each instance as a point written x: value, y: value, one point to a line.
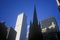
x: 21, y: 27
x: 35, y: 30
x: 50, y: 29
x: 58, y: 3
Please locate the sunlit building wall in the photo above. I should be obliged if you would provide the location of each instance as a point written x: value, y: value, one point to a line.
x: 21, y: 27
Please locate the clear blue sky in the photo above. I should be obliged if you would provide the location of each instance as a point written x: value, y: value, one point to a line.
x: 9, y: 9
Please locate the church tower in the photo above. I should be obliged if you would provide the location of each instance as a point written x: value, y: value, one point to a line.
x: 35, y: 29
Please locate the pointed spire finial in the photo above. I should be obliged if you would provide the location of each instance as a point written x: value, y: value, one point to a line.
x: 35, y: 20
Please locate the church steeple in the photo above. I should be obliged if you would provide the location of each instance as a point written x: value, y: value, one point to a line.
x: 35, y: 20
x: 34, y: 30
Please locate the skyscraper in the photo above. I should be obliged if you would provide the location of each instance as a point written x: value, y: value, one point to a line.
x: 21, y: 27
x: 35, y: 30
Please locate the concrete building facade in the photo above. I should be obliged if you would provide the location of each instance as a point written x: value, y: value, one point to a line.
x: 49, y: 29
x: 21, y: 27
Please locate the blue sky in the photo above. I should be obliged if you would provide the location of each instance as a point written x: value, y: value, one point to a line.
x: 9, y: 9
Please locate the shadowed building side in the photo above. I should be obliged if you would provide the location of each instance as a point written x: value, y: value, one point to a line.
x: 6, y: 33
x: 3, y: 31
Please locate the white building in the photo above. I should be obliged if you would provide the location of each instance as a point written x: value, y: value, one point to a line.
x: 21, y: 27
